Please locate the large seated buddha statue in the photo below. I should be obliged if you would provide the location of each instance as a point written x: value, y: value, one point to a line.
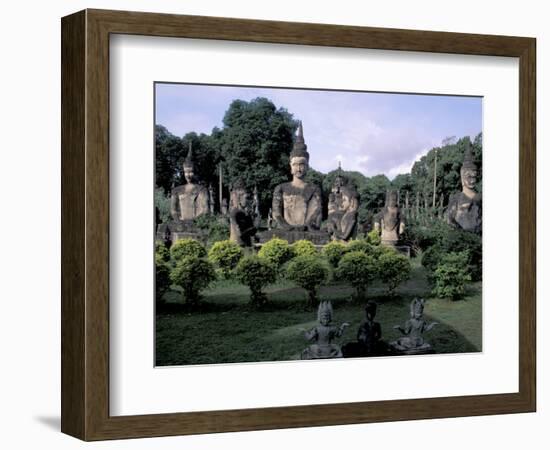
x: 187, y: 202
x: 190, y: 200
x: 297, y: 204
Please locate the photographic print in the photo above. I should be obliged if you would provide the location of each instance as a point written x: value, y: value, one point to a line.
x: 302, y: 224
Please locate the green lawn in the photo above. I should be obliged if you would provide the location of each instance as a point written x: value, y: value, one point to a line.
x: 226, y: 328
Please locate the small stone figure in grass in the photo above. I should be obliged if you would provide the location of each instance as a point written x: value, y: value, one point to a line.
x: 369, y: 336
x: 323, y: 334
x: 412, y: 343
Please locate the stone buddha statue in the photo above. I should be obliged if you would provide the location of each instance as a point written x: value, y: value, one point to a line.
x: 343, y: 204
x: 297, y: 204
x: 390, y: 221
x: 464, y: 209
x: 413, y: 340
x: 189, y: 200
x: 241, y: 215
x: 323, y: 334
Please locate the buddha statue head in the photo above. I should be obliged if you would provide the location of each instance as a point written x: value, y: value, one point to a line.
x: 189, y: 166
x: 468, y: 171
x: 299, y: 157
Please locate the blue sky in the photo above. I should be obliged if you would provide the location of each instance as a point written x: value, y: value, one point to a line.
x: 372, y: 133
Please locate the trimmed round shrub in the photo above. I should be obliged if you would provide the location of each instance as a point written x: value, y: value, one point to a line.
x: 256, y: 273
x: 451, y: 276
x: 161, y: 252
x: 358, y: 269
x: 193, y: 275
x: 184, y: 248
x: 226, y: 255
x: 276, y: 251
x: 308, y: 272
x: 358, y: 245
x: 393, y: 269
x: 333, y: 252
x: 303, y: 247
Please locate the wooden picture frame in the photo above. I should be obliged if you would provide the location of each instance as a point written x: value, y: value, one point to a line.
x: 85, y: 224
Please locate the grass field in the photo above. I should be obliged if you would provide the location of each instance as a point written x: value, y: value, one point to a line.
x: 226, y: 328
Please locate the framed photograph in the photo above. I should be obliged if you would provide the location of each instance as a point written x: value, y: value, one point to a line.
x: 272, y: 225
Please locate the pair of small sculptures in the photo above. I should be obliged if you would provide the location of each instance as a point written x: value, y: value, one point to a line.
x: 369, y: 336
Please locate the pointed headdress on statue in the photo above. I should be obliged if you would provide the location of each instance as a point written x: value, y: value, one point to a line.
x: 189, y: 161
x: 417, y: 306
x: 324, y: 308
x: 300, y: 148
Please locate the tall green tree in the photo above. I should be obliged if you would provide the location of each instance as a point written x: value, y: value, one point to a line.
x: 172, y: 150
x: 373, y: 197
x: 255, y: 142
x: 449, y: 161
x: 168, y: 152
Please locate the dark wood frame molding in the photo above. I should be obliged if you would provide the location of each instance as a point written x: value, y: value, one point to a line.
x: 85, y: 224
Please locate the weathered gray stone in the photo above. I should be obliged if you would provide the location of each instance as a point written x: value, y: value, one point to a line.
x: 464, y: 209
x: 390, y: 221
x: 241, y: 223
x: 343, y: 205
x: 297, y: 204
x: 413, y: 343
x: 189, y: 200
x: 323, y: 335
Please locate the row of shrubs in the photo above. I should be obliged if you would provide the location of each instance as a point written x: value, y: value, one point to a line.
x: 359, y: 262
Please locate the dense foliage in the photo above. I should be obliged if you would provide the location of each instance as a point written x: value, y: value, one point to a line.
x: 446, y: 240
x: 303, y: 247
x: 451, y: 276
x: 256, y: 273
x: 162, y: 279
x: 215, y: 228
x: 308, y: 272
x: 183, y: 248
x: 358, y: 269
x: 255, y: 142
x: 161, y: 252
x: 226, y: 255
x: 193, y: 275
x: 334, y: 251
x: 393, y: 269
x: 276, y: 251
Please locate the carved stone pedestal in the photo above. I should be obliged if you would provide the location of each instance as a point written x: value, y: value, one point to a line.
x: 180, y: 230
x: 317, y: 237
x: 399, y: 349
